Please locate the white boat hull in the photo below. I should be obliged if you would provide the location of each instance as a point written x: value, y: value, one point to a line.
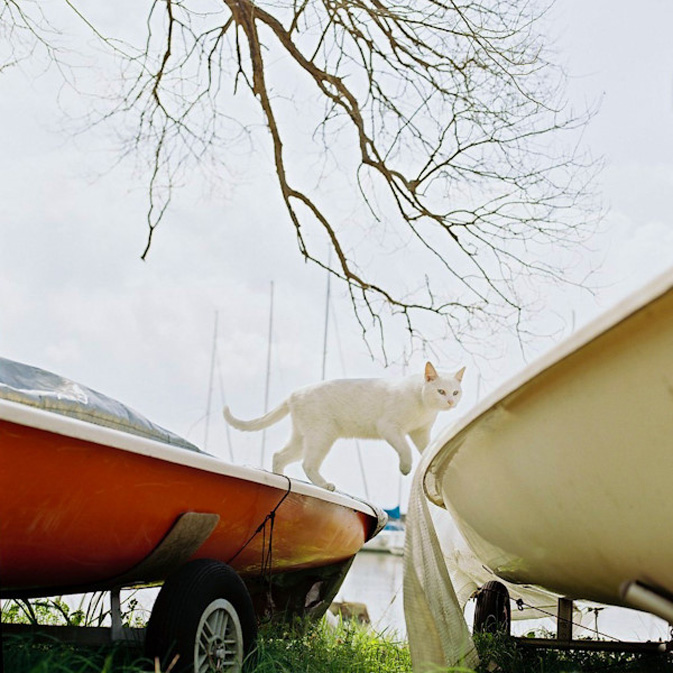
x: 564, y: 479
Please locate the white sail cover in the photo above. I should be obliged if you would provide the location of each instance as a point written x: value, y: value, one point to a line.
x: 436, y: 628
x: 39, y: 388
x: 441, y: 573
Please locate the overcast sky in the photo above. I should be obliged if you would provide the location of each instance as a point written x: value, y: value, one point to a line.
x: 75, y: 298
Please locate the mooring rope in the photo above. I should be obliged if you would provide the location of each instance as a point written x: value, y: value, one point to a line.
x: 522, y: 605
x: 644, y: 658
x: 271, y: 516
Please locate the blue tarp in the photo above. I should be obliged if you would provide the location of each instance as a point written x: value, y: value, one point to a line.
x: 394, y: 519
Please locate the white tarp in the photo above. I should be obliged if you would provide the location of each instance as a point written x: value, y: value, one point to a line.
x: 437, y: 631
x: 440, y: 575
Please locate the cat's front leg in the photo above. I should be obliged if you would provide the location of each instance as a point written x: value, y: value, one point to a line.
x: 313, y: 473
x: 395, y: 437
x: 421, y: 438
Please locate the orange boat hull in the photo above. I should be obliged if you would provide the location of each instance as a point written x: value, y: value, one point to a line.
x: 77, y: 513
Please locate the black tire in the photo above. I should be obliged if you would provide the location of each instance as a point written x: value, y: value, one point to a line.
x: 492, y: 613
x: 204, y: 614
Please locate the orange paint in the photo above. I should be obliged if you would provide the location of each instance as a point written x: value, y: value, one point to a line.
x: 75, y: 513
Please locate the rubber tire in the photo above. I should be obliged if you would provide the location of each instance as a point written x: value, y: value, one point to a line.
x: 182, y: 600
x: 492, y: 613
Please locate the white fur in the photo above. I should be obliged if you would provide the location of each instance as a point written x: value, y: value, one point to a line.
x: 363, y: 408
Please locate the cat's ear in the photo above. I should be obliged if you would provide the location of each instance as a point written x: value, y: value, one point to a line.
x: 459, y: 374
x: 430, y: 372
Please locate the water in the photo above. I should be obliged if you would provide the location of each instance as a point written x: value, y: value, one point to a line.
x: 375, y: 579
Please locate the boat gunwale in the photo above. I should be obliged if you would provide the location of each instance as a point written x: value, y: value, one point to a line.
x: 621, y: 311
x: 48, y: 421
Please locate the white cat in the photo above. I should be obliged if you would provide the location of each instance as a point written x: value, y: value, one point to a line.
x: 363, y: 408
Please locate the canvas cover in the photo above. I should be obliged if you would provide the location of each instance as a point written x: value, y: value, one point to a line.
x: 437, y: 631
x: 441, y: 574
x: 39, y: 388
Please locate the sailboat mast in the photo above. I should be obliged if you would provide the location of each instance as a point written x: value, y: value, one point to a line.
x: 268, y: 370
x: 328, y: 307
x: 326, y: 329
x: 210, y: 382
x: 223, y: 397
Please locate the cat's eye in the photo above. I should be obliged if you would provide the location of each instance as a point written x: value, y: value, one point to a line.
x: 455, y: 392
x: 441, y: 391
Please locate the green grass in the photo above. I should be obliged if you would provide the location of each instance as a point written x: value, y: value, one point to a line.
x: 318, y: 648
x: 25, y: 654
x: 305, y: 648
x: 500, y: 653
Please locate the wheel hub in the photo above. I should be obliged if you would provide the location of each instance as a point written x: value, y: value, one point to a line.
x: 219, y: 641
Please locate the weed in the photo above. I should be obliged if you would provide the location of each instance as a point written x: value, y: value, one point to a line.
x: 56, y: 611
x: 316, y: 647
x: 27, y: 654
x: 500, y: 653
x: 320, y: 648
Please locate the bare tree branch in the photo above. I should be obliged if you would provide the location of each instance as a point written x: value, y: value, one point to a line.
x: 445, y: 116
x: 24, y: 29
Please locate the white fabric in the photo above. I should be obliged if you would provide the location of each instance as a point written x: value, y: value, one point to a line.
x: 436, y: 628
x: 440, y: 575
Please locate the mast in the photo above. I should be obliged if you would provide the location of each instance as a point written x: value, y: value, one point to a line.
x: 268, y: 369
x: 210, y: 382
x: 224, y: 401
x: 343, y: 370
x: 327, y: 305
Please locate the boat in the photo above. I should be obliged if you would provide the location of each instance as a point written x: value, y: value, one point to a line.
x: 562, y: 478
x: 94, y: 496
x: 391, y: 538
x: 559, y: 482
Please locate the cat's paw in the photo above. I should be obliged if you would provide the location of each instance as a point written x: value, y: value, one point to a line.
x: 405, y: 468
x: 329, y: 487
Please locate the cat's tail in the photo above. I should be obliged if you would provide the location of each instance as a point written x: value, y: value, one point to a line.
x: 257, y: 423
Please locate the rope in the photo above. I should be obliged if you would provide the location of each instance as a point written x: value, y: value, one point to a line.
x: 521, y: 605
x: 642, y: 662
x: 266, y: 565
x: 271, y: 516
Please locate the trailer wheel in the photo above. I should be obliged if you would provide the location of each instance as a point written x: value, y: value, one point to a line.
x: 203, y: 614
x: 492, y: 612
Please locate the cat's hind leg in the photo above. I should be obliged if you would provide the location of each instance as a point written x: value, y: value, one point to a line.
x: 316, y: 448
x: 290, y: 453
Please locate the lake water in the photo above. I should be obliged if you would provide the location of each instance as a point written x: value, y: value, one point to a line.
x: 375, y: 579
